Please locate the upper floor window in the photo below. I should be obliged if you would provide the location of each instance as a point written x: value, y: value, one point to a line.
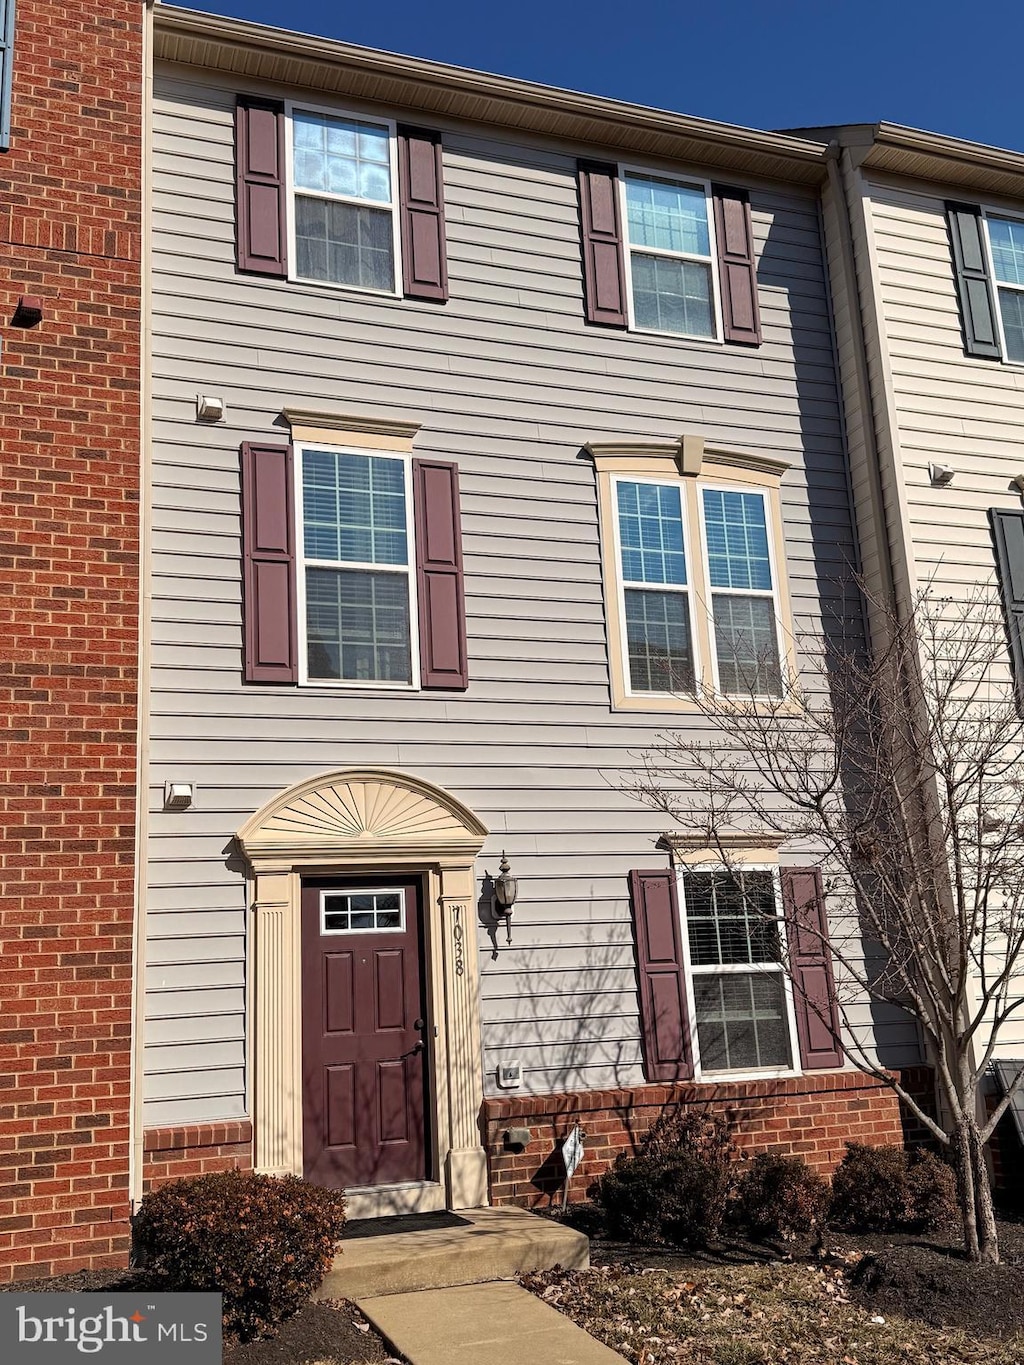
x: 695, y: 573
x: 343, y: 204
x: 356, y: 583
x: 669, y: 254
x: 988, y: 270
x: 352, y: 563
x: 695, y: 560
x: 670, y: 238
x: 1006, y: 242
x: 332, y: 198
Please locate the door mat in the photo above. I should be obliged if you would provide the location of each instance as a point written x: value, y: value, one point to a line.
x: 406, y: 1222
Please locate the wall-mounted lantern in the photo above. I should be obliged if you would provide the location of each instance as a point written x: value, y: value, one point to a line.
x: 506, y: 888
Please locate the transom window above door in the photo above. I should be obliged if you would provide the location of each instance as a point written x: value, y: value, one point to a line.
x: 354, y: 912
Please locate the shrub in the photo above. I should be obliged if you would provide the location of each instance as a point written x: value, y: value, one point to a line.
x: 780, y: 1196
x: 675, y: 1188
x: 932, y: 1192
x: 262, y: 1241
x: 884, y: 1189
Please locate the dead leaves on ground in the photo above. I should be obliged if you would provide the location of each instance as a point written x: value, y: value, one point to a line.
x: 779, y: 1314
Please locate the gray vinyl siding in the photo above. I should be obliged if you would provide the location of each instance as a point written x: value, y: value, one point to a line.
x: 948, y: 407
x: 507, y: 380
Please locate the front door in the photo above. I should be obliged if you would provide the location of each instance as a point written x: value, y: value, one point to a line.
x: 363, y: 1031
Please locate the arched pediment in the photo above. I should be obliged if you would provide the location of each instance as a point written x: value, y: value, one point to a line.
x: 361, y: 810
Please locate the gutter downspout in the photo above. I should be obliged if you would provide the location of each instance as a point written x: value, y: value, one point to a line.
x: 136, y: 1136
x: 844, y: 216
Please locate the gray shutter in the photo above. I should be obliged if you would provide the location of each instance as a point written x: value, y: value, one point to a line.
x: 973, y: 286
x: 6, y: 70
x: 1006, y: 1073
x: 1008, y: 534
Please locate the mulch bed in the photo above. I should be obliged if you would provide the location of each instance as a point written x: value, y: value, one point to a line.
x: 332, y: 1332
x: 926, y: 1278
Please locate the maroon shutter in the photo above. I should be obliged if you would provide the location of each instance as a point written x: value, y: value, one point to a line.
x: 259, y: 165
x: 268, y: 547
x: 421, y: 197
x: 810, y: 965
x: 603, y: 266
x: 659, y: 956
x: 737, y: 272
x: 442, y: 610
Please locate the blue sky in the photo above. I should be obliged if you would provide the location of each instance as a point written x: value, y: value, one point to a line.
x: 773, y: 64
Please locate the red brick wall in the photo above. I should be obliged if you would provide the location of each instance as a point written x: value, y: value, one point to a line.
x: 172, y: 1153
x: 811, y: 1116
x: 70, y: 198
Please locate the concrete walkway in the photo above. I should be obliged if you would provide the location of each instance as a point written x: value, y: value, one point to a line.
x: 477, y: 1323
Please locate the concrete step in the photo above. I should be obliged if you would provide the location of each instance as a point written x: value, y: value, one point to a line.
x: 494, y: 1244
x: 479, y: 1323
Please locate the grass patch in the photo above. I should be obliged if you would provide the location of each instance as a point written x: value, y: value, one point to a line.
x: 777, y: 1314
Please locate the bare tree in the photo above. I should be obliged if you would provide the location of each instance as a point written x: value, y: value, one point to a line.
x: 901, y: 768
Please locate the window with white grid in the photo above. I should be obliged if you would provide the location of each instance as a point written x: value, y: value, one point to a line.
x: 344, y: 200
x: 743, y: 1014
x: 656, y: 601
x: 1006, y: 243
x: 669, y: 236
x: 357, y: 578
x: 743, y: 608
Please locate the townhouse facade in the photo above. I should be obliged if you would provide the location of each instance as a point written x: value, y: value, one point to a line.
x: 70, y: 382
x: 926, y: 242
x: 486, y: 417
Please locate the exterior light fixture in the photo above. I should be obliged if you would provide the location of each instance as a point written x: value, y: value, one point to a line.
x: 506, y: 888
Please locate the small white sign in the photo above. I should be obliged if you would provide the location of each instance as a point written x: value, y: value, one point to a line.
x: 572, y: 1151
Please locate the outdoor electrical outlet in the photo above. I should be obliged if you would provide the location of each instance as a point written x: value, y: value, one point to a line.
x: 510, y: 1075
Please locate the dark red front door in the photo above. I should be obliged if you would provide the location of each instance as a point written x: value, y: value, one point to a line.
x: 363, y: 1031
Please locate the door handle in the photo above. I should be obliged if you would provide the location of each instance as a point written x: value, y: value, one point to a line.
x: 419, y: 1024
x: 419, y: 1045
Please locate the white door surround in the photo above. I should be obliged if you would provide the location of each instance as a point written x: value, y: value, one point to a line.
x: 351, y: 821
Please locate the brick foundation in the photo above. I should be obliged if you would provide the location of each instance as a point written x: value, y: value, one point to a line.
x: 70, y: 236
x: 809, y: 1116
x: 171, y: 1153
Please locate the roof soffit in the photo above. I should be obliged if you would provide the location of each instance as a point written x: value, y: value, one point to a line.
x: 269, y: 55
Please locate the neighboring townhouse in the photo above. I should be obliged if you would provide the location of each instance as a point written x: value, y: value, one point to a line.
x: 71, y: 249
x: 485, y: 416
x: 926, y: 255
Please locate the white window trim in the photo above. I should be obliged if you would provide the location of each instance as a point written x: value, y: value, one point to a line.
x: 690, y: 590
x: 726, y: 487
x: 353, y: 684
x: 767, y: 1073
x: 398, y: 891
x: 711, y: 261
x: 986, y: 214
x: 303, y: 106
